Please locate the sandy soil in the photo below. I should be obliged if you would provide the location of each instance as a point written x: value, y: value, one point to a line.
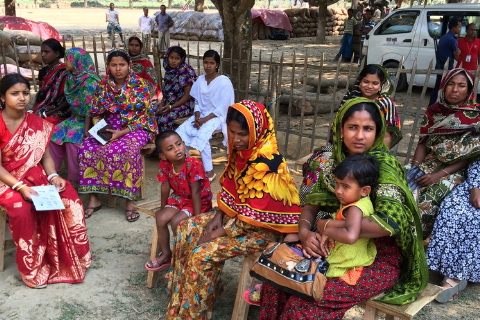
x: 114, y: 286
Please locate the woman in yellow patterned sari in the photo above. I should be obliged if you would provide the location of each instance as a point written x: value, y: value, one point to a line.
x: 258, y: 202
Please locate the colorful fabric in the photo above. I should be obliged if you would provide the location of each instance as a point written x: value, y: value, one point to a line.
x: 195, y: 276
x: 80, y: 87
x: 454, y: 242
x: 52, y: 246
x: 114, y: 168
x: 174, y: 82
x: 346, y: 50
x: 256, y: 185
x: 132, y: 102
x: 115, y: 26
x: 143, y: 68
x: 338, y: 296
x: 51, y: 95
x: 347, y: 257
x: 395, y: 207
x: 180, y: 182
x: 350, y: 23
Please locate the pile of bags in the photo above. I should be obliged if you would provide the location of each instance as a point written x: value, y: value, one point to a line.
x: 335, y: 21
x: 305, y: 21
x: 19, y: 38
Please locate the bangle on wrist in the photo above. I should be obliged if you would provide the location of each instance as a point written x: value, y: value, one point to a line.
x: 50, y: 177
x: 44, y: 114
x: 16, y: 184
x: 23, y: 185
x: 416, y: 161
x: 446, y: 172
x: 306, y: 222
x: 325, y: 226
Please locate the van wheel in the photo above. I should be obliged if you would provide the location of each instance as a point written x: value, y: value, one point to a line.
x: 402, y: 81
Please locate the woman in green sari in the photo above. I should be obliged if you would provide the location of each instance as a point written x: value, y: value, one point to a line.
x: 400, y: 268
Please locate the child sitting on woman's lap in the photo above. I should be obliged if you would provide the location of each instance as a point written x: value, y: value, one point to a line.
x: 191, y: 194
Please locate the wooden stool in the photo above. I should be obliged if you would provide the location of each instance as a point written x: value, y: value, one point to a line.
x: 407, y: 311
x: 112, y: 200
x: 4, y: 245
x: 240, y: 310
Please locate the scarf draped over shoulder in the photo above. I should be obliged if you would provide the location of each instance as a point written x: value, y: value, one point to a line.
x: 175, y: 79
x: 256, y: 185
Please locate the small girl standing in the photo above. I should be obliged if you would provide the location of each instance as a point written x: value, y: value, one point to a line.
x: 355, y: 178
x: 191, y: 195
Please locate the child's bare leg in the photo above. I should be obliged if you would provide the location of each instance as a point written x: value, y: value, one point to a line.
x: 292, y: 237
x: 163, y: 218
x: 179, y: 217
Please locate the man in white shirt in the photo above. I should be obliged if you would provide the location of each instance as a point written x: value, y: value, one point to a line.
x: 113, y: 21
x: 145, y: 23
x: 378, y: 13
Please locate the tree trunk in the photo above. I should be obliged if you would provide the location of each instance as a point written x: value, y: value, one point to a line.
x: 169, y: 4
x: 268, y: 4
x: 237, y: 29
x: 10, y: 8
x: 131, y: 3
x: 85, y: 3
x: 322, y: 22
x: 199, y: 5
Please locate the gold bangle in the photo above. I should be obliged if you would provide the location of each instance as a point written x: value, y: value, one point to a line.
x: 169, y: 107
x: 306, y: 222
x: 53, y: 178
x: 446, y: 172
x: 416, y: 161
x: 325, y: 226
x: 23, y: 185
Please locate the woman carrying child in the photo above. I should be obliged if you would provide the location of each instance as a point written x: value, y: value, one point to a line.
x: 257, y: 203
x: 177, y: 83
x: 52, y: 246
x: 80, y: 86
x: 191, y: 194
x: 213, y: 95
x: 50, y: 102
x: 123, y: 101
x: 399, y: 268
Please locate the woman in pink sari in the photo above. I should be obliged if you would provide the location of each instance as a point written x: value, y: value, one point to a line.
x: 52, y: 246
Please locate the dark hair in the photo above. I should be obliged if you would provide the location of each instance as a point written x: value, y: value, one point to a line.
x: 137, y: 39
x: 470, y: 24
x: 370, y: 108
x: 9, y: 81
x: 235, y: 115
x: 55, y: 46
x: 372, y: 69
x: 212, y: 54
x: 350, y: 9
x: 178, y: 50
x: 369, y: 10
x: 118, y: 54
x: 162, y: 136
x: 163, y: 6
x: 364, y: 169
x: 453, y: 23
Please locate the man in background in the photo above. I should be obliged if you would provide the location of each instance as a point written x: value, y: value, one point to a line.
x: 469, y: 47
x: 367, y: 26
x: 145, y: 23
x: 164, y: 22
x: 346, y: 48
x: 113, y: 21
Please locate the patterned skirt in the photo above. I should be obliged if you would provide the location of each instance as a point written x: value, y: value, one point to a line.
x: 165, y: 122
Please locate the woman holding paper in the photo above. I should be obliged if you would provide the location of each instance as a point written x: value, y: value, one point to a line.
x: 52, y: 246
x: 122, y: 100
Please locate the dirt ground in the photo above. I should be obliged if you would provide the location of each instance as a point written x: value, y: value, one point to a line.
x: 114, y: 287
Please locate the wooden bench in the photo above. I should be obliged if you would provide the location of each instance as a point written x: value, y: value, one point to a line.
x: 240, y: 309
x: 112, y: 200
x: 4, y: 244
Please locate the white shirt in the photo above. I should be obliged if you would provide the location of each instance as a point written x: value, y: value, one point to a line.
x: 112, y: 15
x: 377, y: 14
x: 145, y: 24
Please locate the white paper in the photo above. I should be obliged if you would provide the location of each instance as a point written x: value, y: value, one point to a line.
x: 48, y: 198
x: 97, y: 127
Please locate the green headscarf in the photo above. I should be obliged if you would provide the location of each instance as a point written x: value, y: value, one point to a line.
x: 395, y: 208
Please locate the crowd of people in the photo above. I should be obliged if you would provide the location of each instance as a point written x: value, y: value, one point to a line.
x: 358, y: 207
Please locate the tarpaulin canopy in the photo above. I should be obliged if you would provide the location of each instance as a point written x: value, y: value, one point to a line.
x: 273, y: 18
x: 41, y: 29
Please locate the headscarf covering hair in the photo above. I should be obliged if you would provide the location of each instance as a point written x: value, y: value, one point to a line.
x: 395, y: 208
x: 443, y: 118
x: 176, y: 78
x: 132, y: 101
x: 256, y: 185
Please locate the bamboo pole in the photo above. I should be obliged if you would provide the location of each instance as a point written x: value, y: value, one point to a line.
x: 267, y: 96
x: 156, y: 62
x: 317, y: 102
x: 239, y: 69
x: 260, y: 73
x: 274, y: 94
x: 198, y: 58
x: 247, y: 84
x: 16, y: 55
x: 397, y: 76
x: 409, y: 92
x: 83, y: 43
x: 290, y: 103
x: 221, y: 56
x: 95, y: 53
x: 279, y: 92
x: 4, y: 58
x: 31, y: 66
x: 477, y: 74
x: 335, y: 87
x: 347, y: 86
x: 73, y: 44
x: 231, y: 63
x: 302, y: 109
x: 188, y: 51
x: 103, y: 51
x: 63, y: 40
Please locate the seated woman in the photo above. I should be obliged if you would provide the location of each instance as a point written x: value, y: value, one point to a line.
x: 177, y: 83
x: 449, y: 139
x: 454, y: 242
x: 50, y: 102
x: 80, y: 86
x: 123, y: 100
x: 248, y: 217
x: 52, y: 246
x: 399, y: 269
x: 143, y: 68
x: 213, y: 95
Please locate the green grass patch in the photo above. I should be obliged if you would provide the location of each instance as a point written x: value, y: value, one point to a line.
x: 72, y: 311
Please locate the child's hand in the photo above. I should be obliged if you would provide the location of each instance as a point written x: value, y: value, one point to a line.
x: 325, y: 244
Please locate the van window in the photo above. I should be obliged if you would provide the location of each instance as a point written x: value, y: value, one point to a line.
x: 438, y: 21
x: 400, y: 22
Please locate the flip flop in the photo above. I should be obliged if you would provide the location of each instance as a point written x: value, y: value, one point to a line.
x: 156, y: 266
x: 249, y: 296
x: 449, y: 293
x: 95, y: 209
x: 131, y: 214
x: 212, y: 178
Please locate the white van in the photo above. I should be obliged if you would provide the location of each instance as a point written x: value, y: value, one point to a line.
x: 410, y: 32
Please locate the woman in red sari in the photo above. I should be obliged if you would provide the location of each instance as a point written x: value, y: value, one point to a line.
x: 50, y: 102
x: 52, y: 246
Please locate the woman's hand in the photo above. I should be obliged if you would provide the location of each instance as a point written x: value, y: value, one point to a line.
x: 311, y: 244
x: 198, y: 123
x: 59, y: 183
x: 115, y: 135
x: 214, y: 224
x: 430, y: 178
x: 475, y: 198
x: 162, y: 109
x: 27, y: 192
x: 86, y: 134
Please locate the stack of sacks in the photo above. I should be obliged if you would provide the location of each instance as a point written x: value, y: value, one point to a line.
x: 335, y: 21
x: 304, y: 21
x: 20, y: 37
x: 61, y: 5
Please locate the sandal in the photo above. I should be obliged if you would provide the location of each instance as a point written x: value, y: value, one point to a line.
x: 95, y: 209
x: 212, y: 178
x: 253, y: 296
x: 129, y: 216
x: 448, y: 294
x: 156, y: 266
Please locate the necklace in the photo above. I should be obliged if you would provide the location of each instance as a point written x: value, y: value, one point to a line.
x: 54, y: 67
